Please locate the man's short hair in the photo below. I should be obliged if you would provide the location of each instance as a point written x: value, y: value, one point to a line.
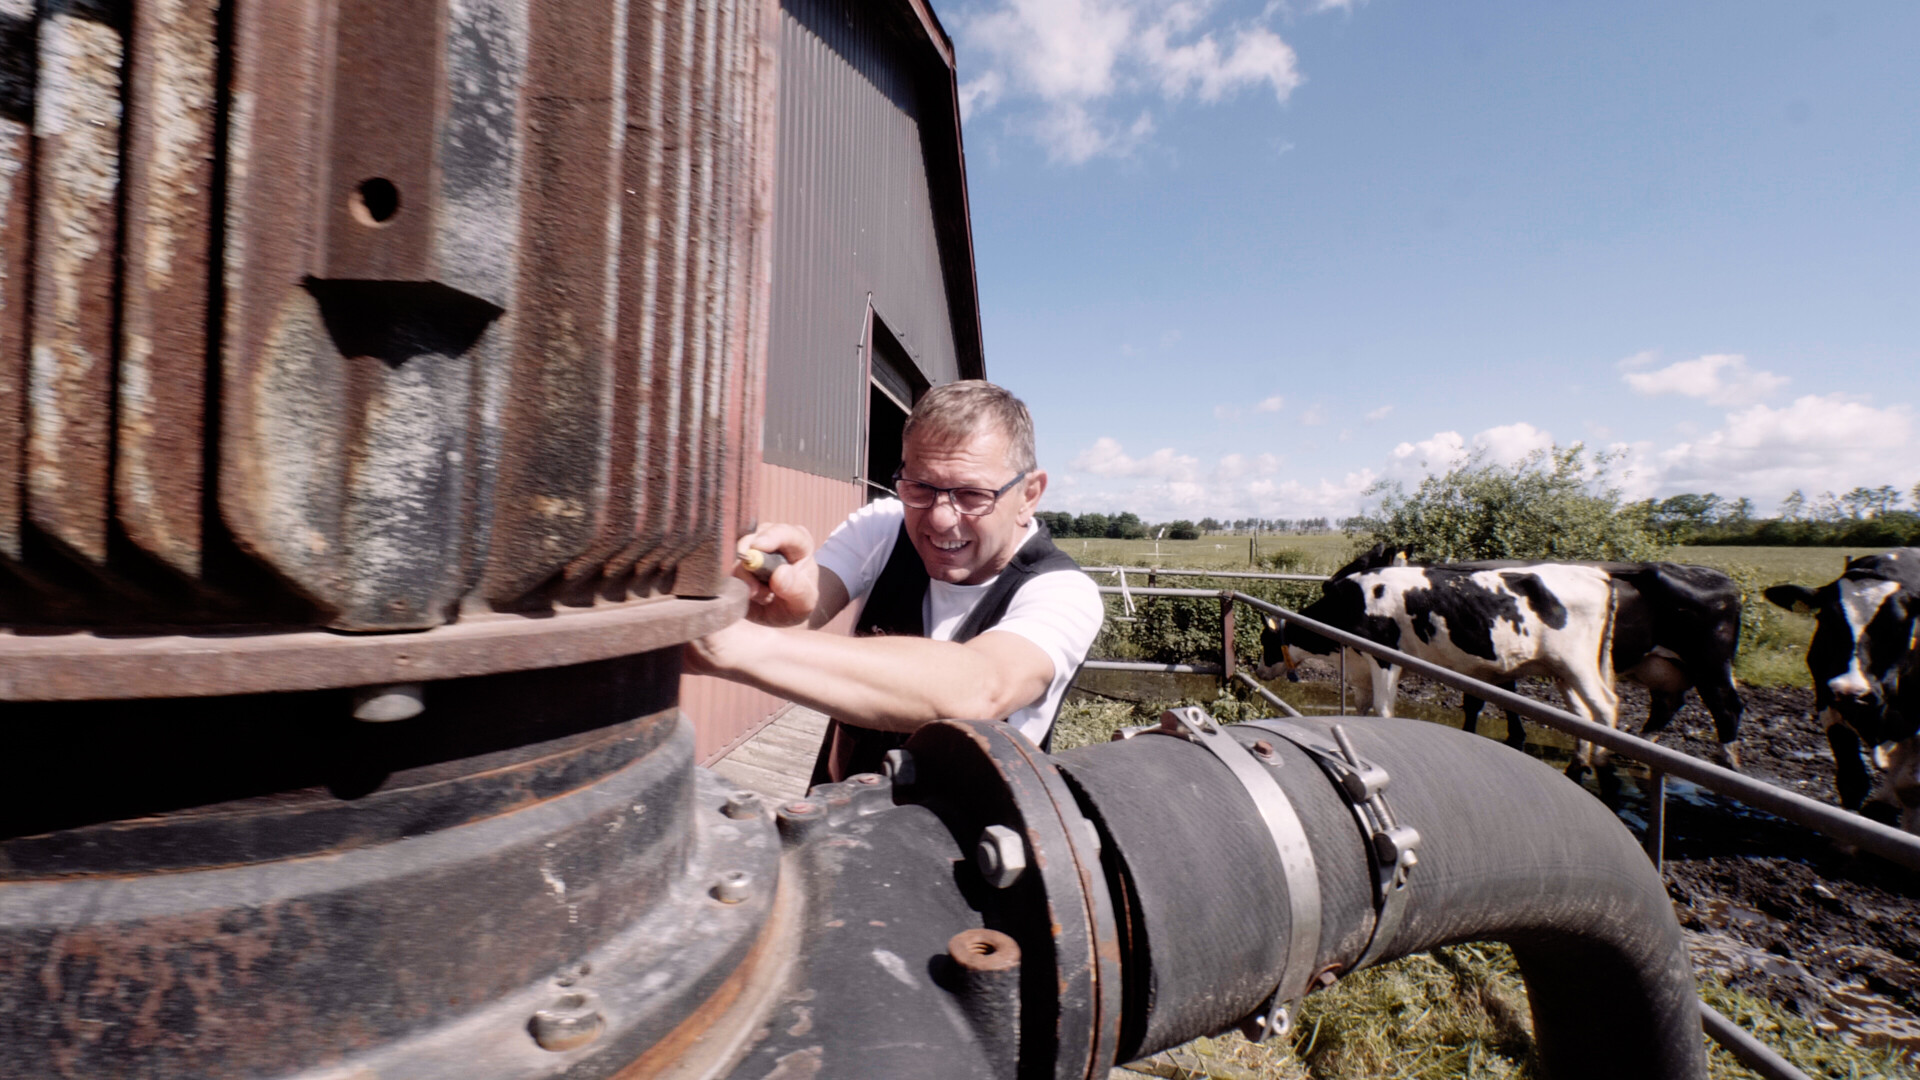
x: 959, y: 410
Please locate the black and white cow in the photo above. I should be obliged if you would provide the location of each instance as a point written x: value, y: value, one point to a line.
x: 1866, y: 676
x: 1496, y: 625
x: 1675, y: 628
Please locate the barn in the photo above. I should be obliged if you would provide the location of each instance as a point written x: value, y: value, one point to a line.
x: 873, y: 294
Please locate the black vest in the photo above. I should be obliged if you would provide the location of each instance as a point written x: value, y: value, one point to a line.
x: 893, y: 607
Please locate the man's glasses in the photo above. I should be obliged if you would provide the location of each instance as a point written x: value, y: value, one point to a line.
x: 971, y: 501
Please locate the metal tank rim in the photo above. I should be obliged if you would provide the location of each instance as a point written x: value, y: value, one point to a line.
x: 92, y: 666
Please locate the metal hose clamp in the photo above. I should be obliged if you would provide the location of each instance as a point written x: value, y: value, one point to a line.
x: 1296, y: 861
x: 1393, y: 845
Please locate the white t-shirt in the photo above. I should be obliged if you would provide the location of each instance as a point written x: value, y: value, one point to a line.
x: 1059, y: 611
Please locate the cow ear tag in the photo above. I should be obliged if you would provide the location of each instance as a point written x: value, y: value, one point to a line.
x: 1272, y: 623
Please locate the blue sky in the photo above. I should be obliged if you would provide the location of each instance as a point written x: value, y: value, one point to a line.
x: 1246, y: 259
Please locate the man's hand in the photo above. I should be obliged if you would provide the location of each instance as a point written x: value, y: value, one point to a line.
x: 791, y: 593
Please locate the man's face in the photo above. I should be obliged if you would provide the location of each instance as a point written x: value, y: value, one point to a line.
x: 956, y: 548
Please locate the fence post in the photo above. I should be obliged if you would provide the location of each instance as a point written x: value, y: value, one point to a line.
x: 1343, y: 680
x: 1656, y: 838
x: 1226, y: 638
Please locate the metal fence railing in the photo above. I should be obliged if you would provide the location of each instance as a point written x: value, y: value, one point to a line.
x: 1850, y: 828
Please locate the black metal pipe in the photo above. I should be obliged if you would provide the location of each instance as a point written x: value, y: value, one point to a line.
x: 1509, y: 852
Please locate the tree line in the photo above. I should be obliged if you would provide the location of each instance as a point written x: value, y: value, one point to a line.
x: 1129, y: 526
x: 1863, y: 517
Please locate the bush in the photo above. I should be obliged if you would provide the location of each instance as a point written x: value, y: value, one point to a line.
x: 1186, y: 630
x: 1287, y: 561
x: 1551, y: 505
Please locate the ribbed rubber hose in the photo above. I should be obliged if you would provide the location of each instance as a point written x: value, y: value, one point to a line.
x: 1510, y: 851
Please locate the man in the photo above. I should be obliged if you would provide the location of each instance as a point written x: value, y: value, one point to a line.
x: 967, y: 611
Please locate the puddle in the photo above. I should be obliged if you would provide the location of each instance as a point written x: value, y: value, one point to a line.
x: 1846, y: 1011
x: 1861, y: 1016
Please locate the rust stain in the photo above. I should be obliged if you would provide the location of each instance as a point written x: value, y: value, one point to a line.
x: 16, y: 211
x: 164, y: 299
x: 763, y: 962
x: 77, y: 129
x: 156, y: 985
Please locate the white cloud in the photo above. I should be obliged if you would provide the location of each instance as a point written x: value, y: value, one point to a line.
x: 1512, y: 442
x: 1314, y: 416
x: 1271, y: 404
x: 1505, y: 445
x: 1082, y: 65
x: 1718, y: 379
x: 1106, y: 457
x: 1236, y: 466
x: 1831, y: 442
x: 1816, y: 443
x: 1379, y: 413
x: 1412, y: 460
x: 1168, y: 484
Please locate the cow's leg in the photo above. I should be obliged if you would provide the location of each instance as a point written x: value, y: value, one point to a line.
x: 1386, y: 679
x: 1720, y: 697
x: 1470, y: 707
x: 1900, y: 779
x: 1849, y: 767
x: 1590, y: 696
x: 1661, y: 705
x: 1516, y: 729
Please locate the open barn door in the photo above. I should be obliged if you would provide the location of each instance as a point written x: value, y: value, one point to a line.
x: 894, y: 383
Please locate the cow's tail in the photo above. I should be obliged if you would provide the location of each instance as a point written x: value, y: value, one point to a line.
x: 1606, y: 647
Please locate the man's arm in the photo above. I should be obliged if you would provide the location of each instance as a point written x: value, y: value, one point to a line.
x: 887, y: 683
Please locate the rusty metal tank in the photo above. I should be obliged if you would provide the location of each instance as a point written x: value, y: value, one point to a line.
x: 326, y: 319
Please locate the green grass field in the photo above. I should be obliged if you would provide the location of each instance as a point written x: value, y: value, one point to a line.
x: 1321, y: 553
x: 1773, y: 642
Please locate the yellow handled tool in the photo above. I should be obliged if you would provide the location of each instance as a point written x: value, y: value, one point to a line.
x: 762, y: 564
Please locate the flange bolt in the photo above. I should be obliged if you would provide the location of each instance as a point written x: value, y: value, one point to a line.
x: 742, y: 805
x: 1001, y: 856
x: 385, y: 704
x: 734, y: 886
x: 572, y: 1021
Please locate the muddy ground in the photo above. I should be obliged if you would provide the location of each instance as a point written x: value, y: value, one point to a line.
x: 1771, y: 908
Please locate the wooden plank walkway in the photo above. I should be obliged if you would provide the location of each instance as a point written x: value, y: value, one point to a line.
x: 778, y: 760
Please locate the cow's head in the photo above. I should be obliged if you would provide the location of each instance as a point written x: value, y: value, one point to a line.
x: 1375, y: 557
x: 1863, y: 640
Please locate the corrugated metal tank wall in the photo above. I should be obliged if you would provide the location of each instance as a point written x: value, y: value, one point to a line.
x: 370, y: 314
x: 852, y: 218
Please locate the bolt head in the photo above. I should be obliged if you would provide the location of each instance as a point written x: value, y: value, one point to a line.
x: 742, y: 805
x: 1001, y: 856
x: 571, y: 1021
x: 733, y: 887
x: 386, y: 704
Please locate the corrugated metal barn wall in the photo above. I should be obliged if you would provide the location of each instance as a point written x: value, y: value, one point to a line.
x: 852, y: 217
